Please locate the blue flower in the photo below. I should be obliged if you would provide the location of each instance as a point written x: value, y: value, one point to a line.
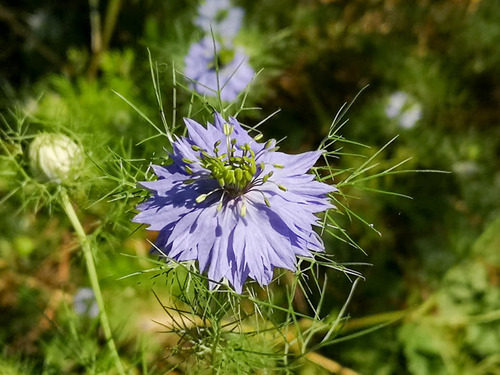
x: 84, y: 302
x: 219, y: 17
x: 232, y: 71
x: 237, y: 206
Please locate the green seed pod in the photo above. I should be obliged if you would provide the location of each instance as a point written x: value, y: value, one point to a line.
x: 55, y: 158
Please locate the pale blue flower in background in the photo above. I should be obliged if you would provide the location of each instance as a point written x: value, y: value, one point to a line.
x: 404, y: 108
x: 84, y: 302
x: 221, y: 18
x: 237, y: 206
x: 395, y: 104
x: 233, y: 70
x: 410, y: 116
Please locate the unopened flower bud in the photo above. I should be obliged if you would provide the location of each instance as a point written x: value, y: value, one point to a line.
x: 54, y: 157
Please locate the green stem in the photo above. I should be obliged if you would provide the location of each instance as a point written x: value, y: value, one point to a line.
x: 94, y: 280
x: 215, y: 320
x: 215, y: 369
x: 112, y: 13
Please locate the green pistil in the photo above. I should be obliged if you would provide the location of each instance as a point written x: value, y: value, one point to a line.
x: 235, y: 174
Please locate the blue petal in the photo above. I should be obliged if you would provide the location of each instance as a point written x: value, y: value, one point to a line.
x: 294, y: 164
x: 204, y: 138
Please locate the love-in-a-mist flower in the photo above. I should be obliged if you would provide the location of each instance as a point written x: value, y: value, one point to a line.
x: 237, y: 206
x: 84, y: 302
x: 225, y: 69
x: 219, y: 17
x: 55, y: 157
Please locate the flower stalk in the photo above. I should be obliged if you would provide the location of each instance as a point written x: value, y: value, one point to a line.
x: 94, y: 280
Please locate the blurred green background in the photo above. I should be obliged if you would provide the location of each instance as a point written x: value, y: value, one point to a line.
x: 438, y: 256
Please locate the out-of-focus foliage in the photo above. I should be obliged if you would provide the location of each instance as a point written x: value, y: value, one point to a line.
x: 435, y: 270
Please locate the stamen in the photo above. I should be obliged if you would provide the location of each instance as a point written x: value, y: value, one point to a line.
x: 253, y: 167
x: 268, y: 143
x: 201, y: 198
x: 228, y: 129
x: 221, y: 200
x: 278, y: 166
x: 266, y: 201
x: 267, y: 176
x: 258, y: 137
x: 243, y: 211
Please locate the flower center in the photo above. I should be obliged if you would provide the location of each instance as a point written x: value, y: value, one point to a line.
x: 236, y: 174
x: 221, y: 15
x: 223, y: 58
x: 233, y: 172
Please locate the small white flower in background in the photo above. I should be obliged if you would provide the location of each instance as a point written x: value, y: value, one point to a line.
x: 410, y: 116
x: 395, y: 104
x: 403, y: 108
x: 84, y: 302
x: 55, y: 158
x: 466, y: 167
